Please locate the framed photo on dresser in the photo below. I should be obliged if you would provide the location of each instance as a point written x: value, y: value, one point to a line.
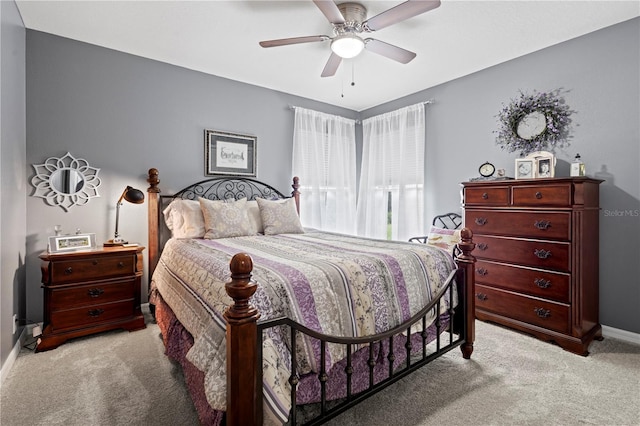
x: 525, y: 168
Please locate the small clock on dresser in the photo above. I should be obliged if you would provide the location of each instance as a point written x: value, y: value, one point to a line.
x: 90, y: 291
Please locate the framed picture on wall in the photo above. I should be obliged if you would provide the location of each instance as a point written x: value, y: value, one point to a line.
x: 525, y: 168
x: 229, y: 154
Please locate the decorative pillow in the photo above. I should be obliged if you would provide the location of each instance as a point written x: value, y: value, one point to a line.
x: 225, y: 219
x: 279, y: 217
x: 184, y: 219
x: 444, y: 238
x: 255, y: 221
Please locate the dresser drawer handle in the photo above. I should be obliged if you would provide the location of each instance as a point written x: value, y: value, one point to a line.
x: 542, y: 313
x: 481, y: 221
x: 95, y: 292
x: 68, y: 271
x: 120, y: 264
x: 95, y: 313
x: 95, y: 262
x: 482, y: 271
x: 542, y: 224
x: 481, y: 296
x: 485, y: 196
x: 542, y: 283
x: 483, y: 246
x: 538, y: 195
x: 542, y: 253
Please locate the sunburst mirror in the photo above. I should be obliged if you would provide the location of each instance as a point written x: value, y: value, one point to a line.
x: 66, y: 181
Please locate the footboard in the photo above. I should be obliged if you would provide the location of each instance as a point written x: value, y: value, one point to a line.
x: 244, y: 341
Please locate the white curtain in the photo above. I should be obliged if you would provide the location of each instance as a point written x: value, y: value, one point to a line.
x: 392, y: 175
x: 324, y: 158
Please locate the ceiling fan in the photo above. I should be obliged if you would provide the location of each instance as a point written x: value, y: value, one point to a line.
x: 349, y: 21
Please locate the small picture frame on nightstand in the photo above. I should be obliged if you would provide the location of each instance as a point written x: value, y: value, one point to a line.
x: 67, y: 243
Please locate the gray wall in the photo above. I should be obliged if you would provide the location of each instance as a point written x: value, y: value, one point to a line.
x: 13, y: 174
x: 125, y: 114
x: 601, y: 72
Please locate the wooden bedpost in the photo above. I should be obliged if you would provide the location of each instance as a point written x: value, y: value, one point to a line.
x: 295, y: 193
x: 467, y: 262
x: 244, y: 393
x: 153, y: 217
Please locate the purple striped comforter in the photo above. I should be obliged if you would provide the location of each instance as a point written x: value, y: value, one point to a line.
x: 334, y: 284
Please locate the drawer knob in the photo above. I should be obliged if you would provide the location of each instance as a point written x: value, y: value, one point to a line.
x: 94, y: 262
x: 482, y: 271
x: 542, y: 283
x: 542, y: 224
x: 542, y: 313
x: 120, y: 264
x: 483, y: 246
x: 95, y: 313
x: 68, y: 271
x: 95, y: 292
x: 481, y: 221
x: 542, y: 253
x: 481, y: 296
x: 485, y: 196
x: 538, y: 195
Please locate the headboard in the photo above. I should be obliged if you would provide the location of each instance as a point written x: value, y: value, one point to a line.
x: 215, y: 188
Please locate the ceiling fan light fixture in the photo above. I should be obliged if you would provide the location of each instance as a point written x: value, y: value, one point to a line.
x: 347, y: 45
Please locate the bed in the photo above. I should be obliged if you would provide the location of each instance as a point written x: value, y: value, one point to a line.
x: 274, y: 323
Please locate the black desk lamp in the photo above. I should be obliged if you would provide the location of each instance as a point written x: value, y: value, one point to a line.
x: 132, y: 195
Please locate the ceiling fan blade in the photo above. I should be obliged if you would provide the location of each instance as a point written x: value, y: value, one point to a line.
x: 293, y: 40
x: 332, y: 65
x: 389, y: 50
x: 330, y: 10
x: 399, y: 13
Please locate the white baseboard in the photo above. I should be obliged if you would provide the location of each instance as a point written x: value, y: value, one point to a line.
x: 6, y: 366
x: 625, y: 335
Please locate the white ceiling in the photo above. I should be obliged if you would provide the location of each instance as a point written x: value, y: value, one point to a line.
x: 221, y: 38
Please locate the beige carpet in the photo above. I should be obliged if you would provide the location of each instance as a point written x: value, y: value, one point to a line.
x: 121, y: 378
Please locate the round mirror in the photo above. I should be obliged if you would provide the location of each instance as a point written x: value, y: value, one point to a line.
x: 65, y: 181
x: 531, y: 125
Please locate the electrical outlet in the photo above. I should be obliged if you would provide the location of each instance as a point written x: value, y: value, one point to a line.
x: 15, y: 323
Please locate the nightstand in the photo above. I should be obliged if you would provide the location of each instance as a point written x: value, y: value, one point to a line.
x: 90, y: 291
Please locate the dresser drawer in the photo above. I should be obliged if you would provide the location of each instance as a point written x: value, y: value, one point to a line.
x: 92, y: 294
x: 91, y: 315
x: 534, y: 282
x: 494, y: 196
x: 97, y: 267
x: 536, y: 253
x: 550, y: 315
x: 540, y: 224
x: 542, y: 195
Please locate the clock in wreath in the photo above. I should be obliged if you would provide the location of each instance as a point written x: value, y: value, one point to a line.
x: 536, y: 122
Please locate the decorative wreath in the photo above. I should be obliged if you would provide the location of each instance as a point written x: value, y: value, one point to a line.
x: 555, y: 133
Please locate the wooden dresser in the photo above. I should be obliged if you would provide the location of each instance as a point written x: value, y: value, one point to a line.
x: 86, y: 292
x: 537, y: 249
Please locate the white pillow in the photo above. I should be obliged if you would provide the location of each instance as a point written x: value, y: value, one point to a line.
x: 280, y: 216
x: 445, y: 239
x: 224, y: 219
x: 255, y: 221
x: 184, y: 219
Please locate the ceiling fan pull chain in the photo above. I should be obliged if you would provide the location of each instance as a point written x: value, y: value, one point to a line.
x: 353, y: 74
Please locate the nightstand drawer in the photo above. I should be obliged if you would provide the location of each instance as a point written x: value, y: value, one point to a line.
x: 536, y: 253
x: 91, y: 315
x: 552, y: 316
x: 495, y: 196
x: 92, y: 294
x: 540, y: 224
x: 542, y: 195
x: 96, y: 267
x: 534, y: 282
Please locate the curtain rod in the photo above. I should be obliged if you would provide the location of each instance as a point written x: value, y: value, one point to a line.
x: 427, y: 102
